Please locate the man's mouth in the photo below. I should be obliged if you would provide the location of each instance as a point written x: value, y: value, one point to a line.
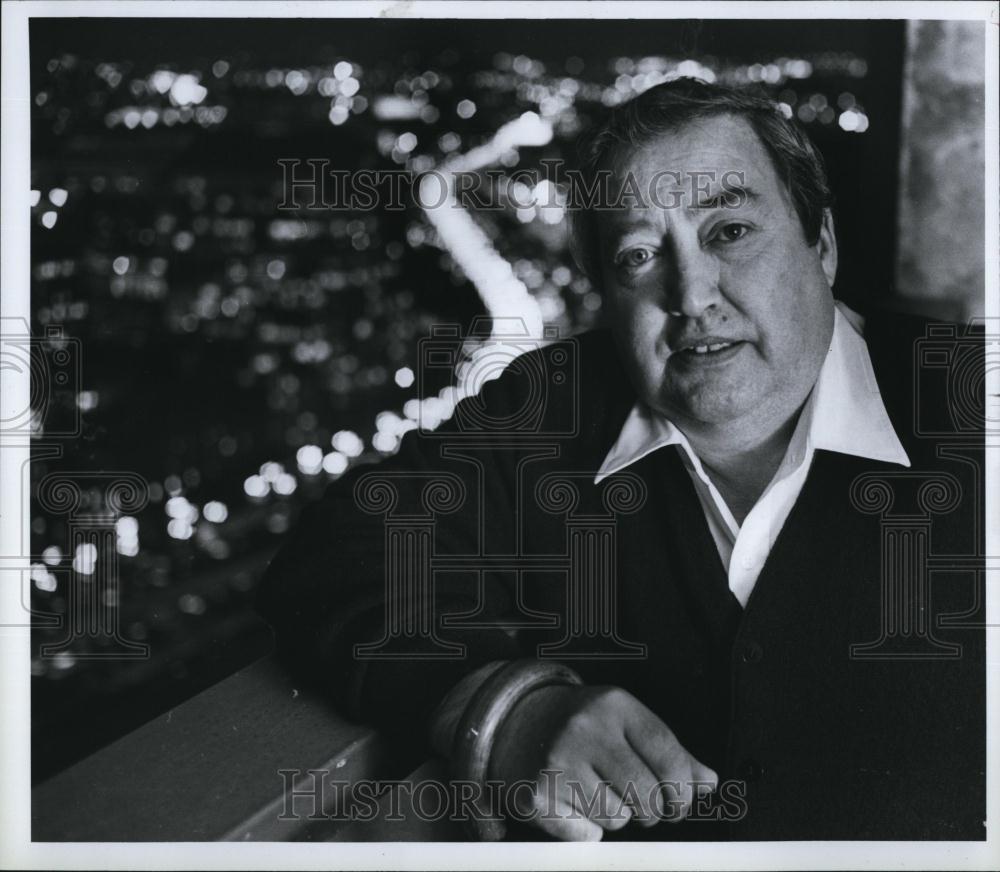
x: 707, y: 346
x: 708, y: 349
x: 704, y: 353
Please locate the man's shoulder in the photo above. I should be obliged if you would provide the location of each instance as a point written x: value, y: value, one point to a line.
x: 887, y: 327
x: 573, y: 388
x: 596, y: 347
x: 586, y: 370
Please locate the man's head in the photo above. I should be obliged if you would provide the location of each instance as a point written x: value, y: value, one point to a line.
x: 717, y: 267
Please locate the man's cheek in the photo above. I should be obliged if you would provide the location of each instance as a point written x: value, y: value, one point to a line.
x: 648, y: 340
x: 760, y: 251
x: 640, y: 339
x: 633, y: 314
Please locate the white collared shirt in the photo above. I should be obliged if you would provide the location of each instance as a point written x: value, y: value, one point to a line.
x: 844, y: 413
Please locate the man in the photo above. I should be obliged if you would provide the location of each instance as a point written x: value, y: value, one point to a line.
x: 720, y: 643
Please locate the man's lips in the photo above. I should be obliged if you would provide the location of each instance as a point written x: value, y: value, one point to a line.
x: 710, y: 352
x: 704, y: 345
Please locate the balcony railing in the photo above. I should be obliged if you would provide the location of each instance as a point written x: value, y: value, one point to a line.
x: 211, y: 770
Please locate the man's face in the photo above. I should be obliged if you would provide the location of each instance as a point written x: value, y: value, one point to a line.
x: 723, y: 314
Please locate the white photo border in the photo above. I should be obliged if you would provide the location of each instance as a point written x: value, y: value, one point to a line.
x: 16, y: 848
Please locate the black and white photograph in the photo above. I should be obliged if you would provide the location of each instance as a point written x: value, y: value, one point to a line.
x: 499, y: 435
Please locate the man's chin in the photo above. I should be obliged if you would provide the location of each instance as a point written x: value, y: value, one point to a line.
x: 704, y: 408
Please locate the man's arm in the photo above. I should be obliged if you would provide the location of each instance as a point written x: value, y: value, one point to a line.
x: 326, y: 593
x: 327, y: 590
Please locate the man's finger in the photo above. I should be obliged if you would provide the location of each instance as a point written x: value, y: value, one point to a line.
x: 652, y: 740
x: 598, y: 800
x: 706, y: 779
x: 590, y: 797
x: 655, y: 743
x: 633, y: 781
x: 565, y: 822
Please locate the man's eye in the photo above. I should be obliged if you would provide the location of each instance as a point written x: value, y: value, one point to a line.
x: 634, y: 257
x: 732, y: 232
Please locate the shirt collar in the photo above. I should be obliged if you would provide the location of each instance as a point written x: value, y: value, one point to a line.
x: 844, y: 412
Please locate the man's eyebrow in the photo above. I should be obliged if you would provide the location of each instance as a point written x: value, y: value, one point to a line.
x: 626, y: 226
x: 730, y: 197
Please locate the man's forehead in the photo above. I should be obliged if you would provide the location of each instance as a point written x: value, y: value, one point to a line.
x: 700, y: 197
x: 712, y: 163
x: 702, y: 146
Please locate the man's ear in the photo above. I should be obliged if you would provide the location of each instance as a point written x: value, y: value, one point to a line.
x: 826, y: 245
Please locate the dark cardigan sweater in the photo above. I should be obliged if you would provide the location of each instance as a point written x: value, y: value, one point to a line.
x: 829, y: 740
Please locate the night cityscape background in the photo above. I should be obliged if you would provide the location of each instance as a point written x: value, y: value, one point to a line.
x: 240, y: 357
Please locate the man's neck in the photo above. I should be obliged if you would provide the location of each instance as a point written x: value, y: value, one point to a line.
x: 741, y: 468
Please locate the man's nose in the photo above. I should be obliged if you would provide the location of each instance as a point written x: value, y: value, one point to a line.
x: 692, y: 280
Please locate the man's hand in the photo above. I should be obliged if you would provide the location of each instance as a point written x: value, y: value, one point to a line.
x: 590, y: 735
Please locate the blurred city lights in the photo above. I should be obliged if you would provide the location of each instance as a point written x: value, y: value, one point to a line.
x: 191, y: 604
x: 853, y: 121
x: 385, y: 443
x: 172, y: 485
x: 85, y: 558
x: 86, y: 401
x: 394, y: 108
x: 255, y: 487
x: 127, y: 547
x: 309, y: 459
x: 406, y: 142
x: 285, y: 484
x: 347, y: 442
x: 179, y: 528
x: 798, y: 69
x: 42, y: 578
x: 335, y: 463
x: 327, y: 309
x: 63, y: 660
x: 186, y: 91
x: 127, y: 538
x: 215, y: 511
x: 411, y: 408
x: 180, y: 508
x: 127, y: 526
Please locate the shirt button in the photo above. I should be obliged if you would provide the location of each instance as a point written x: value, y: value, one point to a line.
x: 750, y: 770
x: 751, y: 653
